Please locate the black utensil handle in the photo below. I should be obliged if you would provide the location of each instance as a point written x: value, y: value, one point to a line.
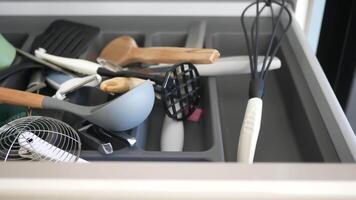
x: 105, y: 72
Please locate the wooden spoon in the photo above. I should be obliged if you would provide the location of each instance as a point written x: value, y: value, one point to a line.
x: 124, y: 50
x: 120, y: 84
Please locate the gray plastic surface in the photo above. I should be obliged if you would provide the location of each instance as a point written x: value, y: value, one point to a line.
x: 295, y: 128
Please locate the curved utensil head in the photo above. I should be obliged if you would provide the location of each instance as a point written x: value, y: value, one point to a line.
x: 119, y: 50
x: 127, y: 111
x: 123, y: 113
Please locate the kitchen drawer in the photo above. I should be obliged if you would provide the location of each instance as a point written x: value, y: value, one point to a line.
x: 302, y: 120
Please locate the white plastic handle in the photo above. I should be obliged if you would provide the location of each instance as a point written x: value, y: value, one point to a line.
x: 233, y: 65
x: 249, y: 131
x: 172, y: 135
x: 76, y: 83
x: 230, y: 66
x: 76, y: 65
x: 36, y: 145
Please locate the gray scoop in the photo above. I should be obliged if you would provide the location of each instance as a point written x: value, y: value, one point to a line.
x: 123, y: 113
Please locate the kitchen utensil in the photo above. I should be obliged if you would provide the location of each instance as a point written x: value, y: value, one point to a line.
x: 64, y: 38
x: 122, y: 113
x: 123, y: 136
x: 124, y: 50
x: 252, y: 121
x: 120, y: 84
x: 77, y: 65
x: 37, y: 149
x: 39, y: 138
x: 102, y: 147
x: 7, y: 53
x: 179, y: 88
x: 70, y: 86
x: 37, y: 81
x: 8, y: 57
x: 172, y: 133
x: 75, y: 83
x: 226, y: 66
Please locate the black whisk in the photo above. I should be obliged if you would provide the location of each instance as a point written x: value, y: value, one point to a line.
x: 252, y: 120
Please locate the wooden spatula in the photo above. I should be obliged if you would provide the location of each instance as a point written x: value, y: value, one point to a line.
x: 124, y: 50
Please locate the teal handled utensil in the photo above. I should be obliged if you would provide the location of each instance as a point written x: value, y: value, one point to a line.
x: 123, y: 113
x: 8, y: 54
x: 62, y: 38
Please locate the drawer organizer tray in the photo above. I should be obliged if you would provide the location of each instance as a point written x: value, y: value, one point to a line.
x: 293, y: 127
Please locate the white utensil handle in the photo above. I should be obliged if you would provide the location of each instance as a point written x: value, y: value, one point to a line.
x: 77, y: 65
x: 229, y: 66
x: 233, y: 65
x: 76, y: 83
x: 249, y: 131
x: 172, y: 135
x: 38, y: 146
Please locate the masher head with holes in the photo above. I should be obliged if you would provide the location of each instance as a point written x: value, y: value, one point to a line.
x: 38, y: 138
x: 181, y: 90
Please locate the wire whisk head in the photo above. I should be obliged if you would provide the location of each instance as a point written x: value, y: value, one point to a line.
x: 278, y: 31
x: 38, y: 138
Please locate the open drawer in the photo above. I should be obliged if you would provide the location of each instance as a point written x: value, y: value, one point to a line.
x: 302, y: 120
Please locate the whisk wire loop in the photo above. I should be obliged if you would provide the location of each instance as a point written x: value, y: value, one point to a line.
x: 38, y: 138
x: 252, y: 39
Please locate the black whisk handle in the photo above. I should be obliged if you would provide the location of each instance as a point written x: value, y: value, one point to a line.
x: 268, y: 2
x: 256, y: 88
x: 105, y: 72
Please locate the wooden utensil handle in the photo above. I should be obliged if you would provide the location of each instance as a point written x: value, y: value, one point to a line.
x: 120, y: 84
x: 20, y: 98
x: 154, y: 55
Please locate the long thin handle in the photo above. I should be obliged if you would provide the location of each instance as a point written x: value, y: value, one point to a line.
x: 120, y: 84
x: 76, y: 83
x: 233, y: 65
x: 20, y: 98
x: 43, y: 62
x: 76, y: 65
x: 154, y: 55
x: 249, y: 131
x: 172, y: 138
x: 226, y: 66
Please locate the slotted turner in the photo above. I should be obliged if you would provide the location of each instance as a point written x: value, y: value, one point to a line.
x: 62, y: 38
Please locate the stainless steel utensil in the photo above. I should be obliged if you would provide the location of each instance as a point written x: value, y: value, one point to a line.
x: 39, y: 138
